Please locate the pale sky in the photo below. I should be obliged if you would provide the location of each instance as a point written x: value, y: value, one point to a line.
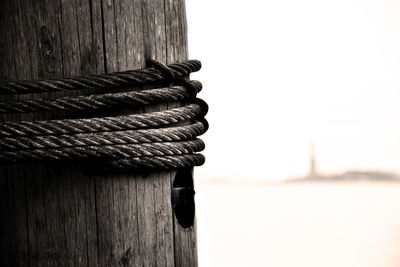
x: 281, y: 74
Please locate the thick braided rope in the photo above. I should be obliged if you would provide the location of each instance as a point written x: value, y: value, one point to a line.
x: 117, y: 123
x: 109, y: 80
x: 102, y: 101
x: 106, y: 152
x: 129, y: 141
x: 169, y: 134
x: 166, y: 162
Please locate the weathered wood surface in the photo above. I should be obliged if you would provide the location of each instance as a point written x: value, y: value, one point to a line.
x: 54, y: 214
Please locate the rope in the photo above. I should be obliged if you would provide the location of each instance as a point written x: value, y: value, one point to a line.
x: 180, y: 133
x: 117, y: 123
x: 106, y: 152
x: 102, y: 101
x: 122, y: 142
x: 108, y: 80
x: 167, y: 162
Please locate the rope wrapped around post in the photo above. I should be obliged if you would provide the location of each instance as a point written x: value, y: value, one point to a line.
x: 159, y: 140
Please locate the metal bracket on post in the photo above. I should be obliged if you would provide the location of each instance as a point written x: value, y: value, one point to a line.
x: 182, y: 197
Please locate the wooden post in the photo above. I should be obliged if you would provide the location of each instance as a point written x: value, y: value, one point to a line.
x: 54, y: 214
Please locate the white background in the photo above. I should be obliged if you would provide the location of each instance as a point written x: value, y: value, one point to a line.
x: 281, y: 74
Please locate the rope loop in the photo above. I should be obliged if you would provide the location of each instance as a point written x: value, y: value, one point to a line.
x: 169, y: 74
x: 157, y: 140
x: 194, y: 87
x: 203, y: 107
x: 108, y: 80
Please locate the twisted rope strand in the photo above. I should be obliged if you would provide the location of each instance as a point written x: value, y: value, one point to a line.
x: 116, y: 142
x: 117, y: 79
x: 106, y: 152
x: 163, y: 163
x: 181, y: 133
x: 118, y: 123
x: 96, y: 102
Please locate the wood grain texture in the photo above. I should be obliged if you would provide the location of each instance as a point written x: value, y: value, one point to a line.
x: 55, y: 214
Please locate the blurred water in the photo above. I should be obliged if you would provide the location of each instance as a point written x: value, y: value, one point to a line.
x: 307, y: 224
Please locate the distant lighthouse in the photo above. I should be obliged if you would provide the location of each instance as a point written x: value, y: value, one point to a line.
x: 313, y: 171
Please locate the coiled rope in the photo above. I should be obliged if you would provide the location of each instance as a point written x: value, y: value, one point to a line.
x: 159, y: 72
x: 146, y: 140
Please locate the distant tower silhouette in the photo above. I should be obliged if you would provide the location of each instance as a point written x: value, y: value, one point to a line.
x: 313, y: 169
